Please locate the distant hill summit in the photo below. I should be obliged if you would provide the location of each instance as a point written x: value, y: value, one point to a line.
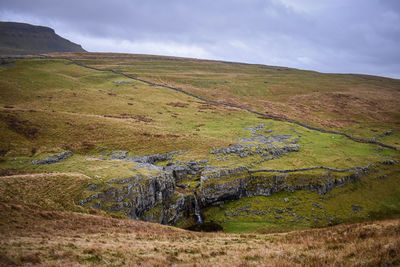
x: 22, y: 39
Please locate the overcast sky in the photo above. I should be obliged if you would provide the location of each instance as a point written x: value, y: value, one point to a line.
x: 342, y: 36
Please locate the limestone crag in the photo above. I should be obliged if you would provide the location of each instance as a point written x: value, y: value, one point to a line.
x: 233, y: 185
x: 166, y: 193
x: 132, y: 196
x: 181, y: 170
x: 179, y: 207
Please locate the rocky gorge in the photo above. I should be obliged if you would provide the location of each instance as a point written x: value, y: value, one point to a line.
x: 166, y: 193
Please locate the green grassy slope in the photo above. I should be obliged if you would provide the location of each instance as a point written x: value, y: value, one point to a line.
x: 361, y: 105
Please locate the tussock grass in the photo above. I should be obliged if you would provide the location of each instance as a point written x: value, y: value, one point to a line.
x: 48, y: 191
x: 67, y: 238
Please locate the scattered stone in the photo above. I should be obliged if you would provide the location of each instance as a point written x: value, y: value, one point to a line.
x: 317, y: 205
x: 119, y: 154
x: 117, y: 83
x: 54, y: 158
x: 388, y: 133
x: 329, y: 218
x: 286, y: 200
x: 388, y: 162
x: 150, y: 159
x: 356, y: 208
x: 266, y: 139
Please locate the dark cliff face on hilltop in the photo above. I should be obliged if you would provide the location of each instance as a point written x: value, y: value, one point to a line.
x: 21, y: 39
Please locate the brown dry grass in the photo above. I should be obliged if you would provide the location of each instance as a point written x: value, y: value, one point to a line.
x: 23, y: 127
x: 138, y: 118
x: 31, y: 236
x: 177, y: 104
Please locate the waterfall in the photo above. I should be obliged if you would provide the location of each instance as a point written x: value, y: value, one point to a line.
x: 197, y: 213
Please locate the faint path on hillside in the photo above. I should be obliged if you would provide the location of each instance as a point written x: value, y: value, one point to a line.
x: 32, y: 175
x: 263, y: 115
x: 107, y: 117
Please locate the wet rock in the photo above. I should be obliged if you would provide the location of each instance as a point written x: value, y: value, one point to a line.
x: 175, y: 210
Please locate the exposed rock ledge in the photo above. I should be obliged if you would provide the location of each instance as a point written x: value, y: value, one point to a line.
x: 155, y: 197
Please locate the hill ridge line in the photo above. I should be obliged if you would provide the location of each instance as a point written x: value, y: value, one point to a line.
x: 264, y: 115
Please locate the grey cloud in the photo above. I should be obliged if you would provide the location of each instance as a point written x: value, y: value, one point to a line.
x: 359, y: 36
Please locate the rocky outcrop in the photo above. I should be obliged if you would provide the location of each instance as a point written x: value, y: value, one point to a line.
x: 181, y: 170
x: 228, y: 185
x: 54, y: 158
x: 149, y: 159
x: 162, y: 196
x: 181, y: 206
x: 132, y: 196
x: 154, y: 198
x: 245, y: 150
